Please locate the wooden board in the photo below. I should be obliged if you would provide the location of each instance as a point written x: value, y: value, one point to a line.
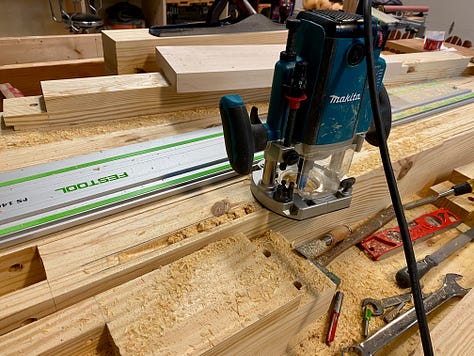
x: 32, y: 49
x: 415, y: 45
x: 453, y: 334
x: 233, y: 296
x: 198, y: 69
x: 215, y: 300
x: 403, y: 68
x: 194, y: 68
x: 27, y: 77
x: 132, y: 51
x: 462, y: 205
x: 99, y: 99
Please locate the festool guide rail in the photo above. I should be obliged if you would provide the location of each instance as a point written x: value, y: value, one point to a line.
x: 41, y: 199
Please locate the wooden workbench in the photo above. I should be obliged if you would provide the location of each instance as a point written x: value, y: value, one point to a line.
x: 436, y: 145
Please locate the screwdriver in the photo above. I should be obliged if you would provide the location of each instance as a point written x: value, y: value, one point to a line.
x: 458, y: 189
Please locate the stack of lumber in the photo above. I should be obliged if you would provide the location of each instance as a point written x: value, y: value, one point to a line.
x: 129, y: 92
x: 176, y: 276
x: 184, y: 73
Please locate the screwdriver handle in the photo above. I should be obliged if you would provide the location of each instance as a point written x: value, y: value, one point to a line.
x: 464, y: 188
x: 337, y: 234
x: 423, y: 266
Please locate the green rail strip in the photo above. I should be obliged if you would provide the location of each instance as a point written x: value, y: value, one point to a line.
x: 432, y: 106
x: 105, y: 202
x: 88, y: 207
x: 109, y: 159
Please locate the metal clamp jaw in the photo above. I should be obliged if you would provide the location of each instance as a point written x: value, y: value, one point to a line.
x: 82, y: 19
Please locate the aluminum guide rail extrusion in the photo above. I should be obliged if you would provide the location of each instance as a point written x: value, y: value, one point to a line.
x: 41, y: 199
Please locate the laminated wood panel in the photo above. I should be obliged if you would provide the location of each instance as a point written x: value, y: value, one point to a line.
x: 88, y: 259
x: 233, y: 296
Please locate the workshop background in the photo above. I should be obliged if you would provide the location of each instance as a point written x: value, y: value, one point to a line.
x: 33, y: 17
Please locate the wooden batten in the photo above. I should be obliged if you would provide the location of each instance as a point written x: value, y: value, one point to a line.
x: 27, y: 76
x: 415, y: 45
x: 420, y: 66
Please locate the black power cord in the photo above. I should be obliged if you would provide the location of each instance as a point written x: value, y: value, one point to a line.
x: 392, y: 184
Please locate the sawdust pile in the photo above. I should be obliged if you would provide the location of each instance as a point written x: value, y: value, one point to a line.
x: 10, y: 139
x: 197, y: 302
x: 206, y: 225
x: 29, y: 138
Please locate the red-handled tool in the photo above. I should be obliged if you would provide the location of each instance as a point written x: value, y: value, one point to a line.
x: 334, y: 317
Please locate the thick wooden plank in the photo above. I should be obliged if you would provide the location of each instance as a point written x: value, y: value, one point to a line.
x: 27, y: 77
x: 30, y: 49
x: 132, y: 51
x: 234, y: 296
x: 415, y: 67
x: 76, y: 330
x: 98, y: 99
x: 197, y: 69
x: 228, y: 287
x: 415, y: 45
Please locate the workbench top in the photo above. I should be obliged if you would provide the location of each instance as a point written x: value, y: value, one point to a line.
x: 360, y: 276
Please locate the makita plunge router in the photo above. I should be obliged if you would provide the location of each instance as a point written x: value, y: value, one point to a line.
x: 319, y: 114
